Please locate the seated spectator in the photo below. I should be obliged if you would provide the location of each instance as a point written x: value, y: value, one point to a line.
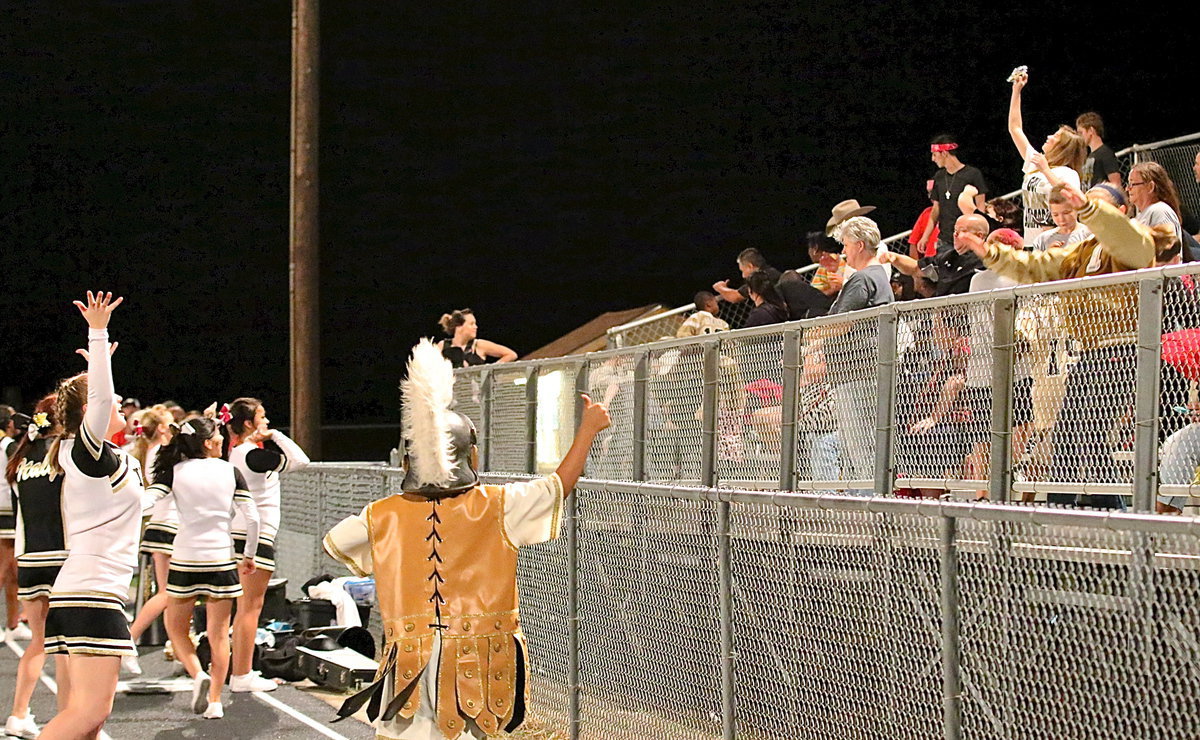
x: 1004, y: 213
x: 769, y: 307
x: 704, y: 320
x: 815, y: 424
x: 832, y: 271
x: 1179, y: 461
x: 951, y: 269
x: 749, y: 261
x: 1101, y: 164
x: 1100, y: 385
x: 1154, y: 196
x: 1067, y: 229
x: 903, y: 287
x: 919, y: 228
x: 843, y: 211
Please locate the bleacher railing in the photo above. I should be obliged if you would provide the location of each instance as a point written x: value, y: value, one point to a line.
x: 1176, y: 155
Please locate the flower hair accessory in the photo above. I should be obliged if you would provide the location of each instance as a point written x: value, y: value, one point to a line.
x: 138, y: 429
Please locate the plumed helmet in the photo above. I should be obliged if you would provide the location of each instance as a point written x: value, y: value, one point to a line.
x: 438, y: 442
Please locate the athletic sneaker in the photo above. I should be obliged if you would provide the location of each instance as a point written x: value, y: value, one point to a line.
x: 214, y: 710
x: 18, y: 727
x: 130, y: 665
x: 252, y: 681
x: 21, y: 632
x: 200, y: 686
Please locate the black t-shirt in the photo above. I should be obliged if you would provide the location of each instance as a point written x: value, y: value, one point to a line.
x: 947, y: 188
x: 1099, y: 165
x: 765, y: 314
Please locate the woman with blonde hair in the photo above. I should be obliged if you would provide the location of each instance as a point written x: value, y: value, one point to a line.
x: 464, y: 348
x: 151, y: 430
x: 1065, y: 151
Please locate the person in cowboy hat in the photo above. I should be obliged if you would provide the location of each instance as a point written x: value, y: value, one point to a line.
x: 844, y: 210
x: 949, y: 182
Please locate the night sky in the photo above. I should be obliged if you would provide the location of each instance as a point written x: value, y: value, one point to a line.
x: 538, y: 164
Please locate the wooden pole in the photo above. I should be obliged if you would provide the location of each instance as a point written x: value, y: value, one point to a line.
x: 304, y: 262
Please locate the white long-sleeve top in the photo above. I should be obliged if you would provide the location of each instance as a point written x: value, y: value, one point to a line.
x: 206, y: 492
x: 261, y: 467
x: 163, y: 511
x: 102, y: 492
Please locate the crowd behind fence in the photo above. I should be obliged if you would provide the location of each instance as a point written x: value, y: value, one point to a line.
x: 1176, y: 155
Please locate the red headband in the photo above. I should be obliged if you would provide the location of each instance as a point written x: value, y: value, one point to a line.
x: 942, y: 147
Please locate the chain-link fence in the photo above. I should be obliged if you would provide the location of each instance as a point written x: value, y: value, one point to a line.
x: 696, y: 613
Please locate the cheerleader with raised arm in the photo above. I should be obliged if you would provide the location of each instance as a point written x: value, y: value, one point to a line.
x: 152, y: 430
x: 206, y: 490
x: 102, y: 493
x: 261, y: 454
x: 41, y: 549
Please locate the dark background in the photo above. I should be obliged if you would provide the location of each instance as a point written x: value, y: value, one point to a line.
x: 538, y: 164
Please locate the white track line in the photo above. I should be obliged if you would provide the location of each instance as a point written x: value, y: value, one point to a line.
x: 271, y: 701
x: 49, y: 682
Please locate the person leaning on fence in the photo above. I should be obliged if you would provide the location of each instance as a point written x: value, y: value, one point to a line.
x: 1099, y: 388
x: 704, y: 320
x: 849, y: 348
x: 749, y: 262
x: 807, y: 300
x: 444, y: 557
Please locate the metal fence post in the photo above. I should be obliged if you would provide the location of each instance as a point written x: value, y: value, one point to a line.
x: 531, y: 383
x: 1004, y: 311
x: 885, y: 408
x: 1146, y: 401
x: 640, y: 378
x: 951, y: 655
x: 485, y: 420
x: 791, y: 387
x: 708, y: 477
x: 574, y: 684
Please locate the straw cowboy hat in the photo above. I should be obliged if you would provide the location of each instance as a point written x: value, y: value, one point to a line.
x: 844, y: 210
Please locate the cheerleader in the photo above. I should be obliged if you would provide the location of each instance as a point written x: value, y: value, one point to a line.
x: 261, y: 454
x: 206, y: 489
x: 41, y: 549
x: 152, y: 430
x: 102, y: 493
x: 8, y: 561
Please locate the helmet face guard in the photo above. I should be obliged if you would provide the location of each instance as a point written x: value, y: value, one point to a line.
x: 463, y: 474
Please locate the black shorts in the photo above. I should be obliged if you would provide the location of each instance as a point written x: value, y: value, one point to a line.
x: 35, y: 581
x: 264, y: 556
x: 159, y: 537
x: 87, y: 624
x: 187, y: 580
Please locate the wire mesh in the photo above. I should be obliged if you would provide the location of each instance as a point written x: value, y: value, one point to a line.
x: 1179, y: 162
x: 468, y: 399
x: 1179, y: 410
x: 836, y: 625
x: 674, y: 391
x: 749, y: 410
x: 848, y: 353
x: 648, y: 617
x: 1074, y: 633
x: 1081, y: 347
x: 508, y: 431
x: 611, y: 381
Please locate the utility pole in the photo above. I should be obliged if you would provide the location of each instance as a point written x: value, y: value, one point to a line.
x: 303, y: 267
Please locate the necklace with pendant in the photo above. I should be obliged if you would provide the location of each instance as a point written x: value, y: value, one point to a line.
x: 950, y: 185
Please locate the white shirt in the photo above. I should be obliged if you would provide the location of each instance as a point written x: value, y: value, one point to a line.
x: 206, y: 491
x: 261, y: 468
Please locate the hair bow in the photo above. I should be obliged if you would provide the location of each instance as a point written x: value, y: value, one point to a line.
x: 138, y: 429
x: 187, y: 428
x: 223, y: 415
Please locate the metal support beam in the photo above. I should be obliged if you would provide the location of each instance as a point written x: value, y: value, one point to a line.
x: 885, y: 408
x: 304, y: 247
x: 574, y: 685
x: 485, y: 421
x: 792, y: 361
x: 531, y: 384
x: 640, y: 379
x: 1004, y: 312
x: 951, y: 653
x: 1146, y: 400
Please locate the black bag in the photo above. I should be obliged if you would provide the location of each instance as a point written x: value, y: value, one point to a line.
x: 283, y: 660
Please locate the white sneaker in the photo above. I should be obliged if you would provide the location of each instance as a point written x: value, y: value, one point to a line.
x: 200, y: 686
x: 21, y: 632
x: 252, y: 681
x: 130, y: 665
x: 18, y: 727
x: 214, y: 710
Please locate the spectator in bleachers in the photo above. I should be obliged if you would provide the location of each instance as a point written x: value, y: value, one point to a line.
x: 1179, y: 461
x: 1100, y: 385
x: 815, y: 423
x: 851, y: 379
x: 704, y: 320
x: 807, y: 300
x: 1101, y: 164
x: 1065, y: 152
x: 464, y: 348
x: 949, y: 182
x: 1068, y: 229
x: 923, y: 221
x: 1004, y: 214
x: 769, y: 307
x: 903, y: 287
x: 951, y: 269
x: 749, y: 261
x: 1154, y: 196
x: 842, y: 212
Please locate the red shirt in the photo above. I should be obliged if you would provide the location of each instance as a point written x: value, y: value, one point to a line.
x: 919, y: 228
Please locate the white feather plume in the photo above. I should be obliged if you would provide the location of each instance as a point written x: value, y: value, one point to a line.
x: 428, y: 393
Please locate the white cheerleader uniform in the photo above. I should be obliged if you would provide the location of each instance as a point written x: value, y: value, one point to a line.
x: 261, y: 467
x: 102, y: 501
x: 8, y: 524
x: 206, y: 491
x: 159, y: 535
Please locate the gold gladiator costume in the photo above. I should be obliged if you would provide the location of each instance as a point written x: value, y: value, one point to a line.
x: 444, y: 557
